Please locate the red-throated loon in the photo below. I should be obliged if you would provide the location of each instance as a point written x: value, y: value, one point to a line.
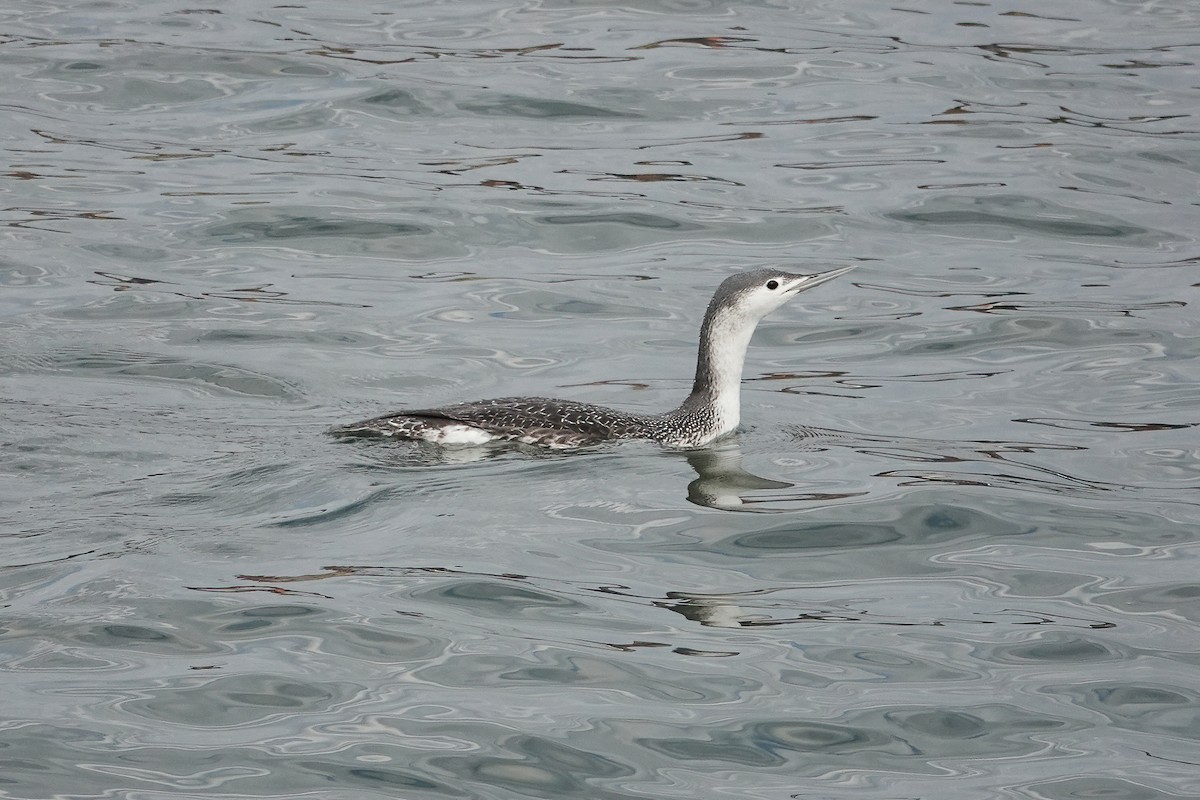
x: 712, y: 410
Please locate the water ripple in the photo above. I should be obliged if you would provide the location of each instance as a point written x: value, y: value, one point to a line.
x: 962, y: 562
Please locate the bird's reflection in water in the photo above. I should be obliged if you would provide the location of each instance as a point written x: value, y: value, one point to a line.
x: 777, y: 606
x: 721, y: 483
x: 731, y: 610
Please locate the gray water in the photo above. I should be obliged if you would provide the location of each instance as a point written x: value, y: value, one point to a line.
x: 952, y: 553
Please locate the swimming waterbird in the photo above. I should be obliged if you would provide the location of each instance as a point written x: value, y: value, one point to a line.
x: 712, y: 410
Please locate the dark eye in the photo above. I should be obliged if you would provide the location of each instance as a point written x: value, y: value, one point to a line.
x: 772, y: 285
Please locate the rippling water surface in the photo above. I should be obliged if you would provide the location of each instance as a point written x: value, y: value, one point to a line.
x: 952, y: 554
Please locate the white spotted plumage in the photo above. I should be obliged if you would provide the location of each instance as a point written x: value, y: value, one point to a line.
x: 712, y: 410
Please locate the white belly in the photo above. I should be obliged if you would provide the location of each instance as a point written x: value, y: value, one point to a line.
x: 456, y: 434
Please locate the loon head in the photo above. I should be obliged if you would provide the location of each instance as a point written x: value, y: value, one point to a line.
x: 750, y: 296
x: 736, y: 308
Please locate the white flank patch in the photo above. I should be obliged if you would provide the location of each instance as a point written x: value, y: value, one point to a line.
x: 457, y: 434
